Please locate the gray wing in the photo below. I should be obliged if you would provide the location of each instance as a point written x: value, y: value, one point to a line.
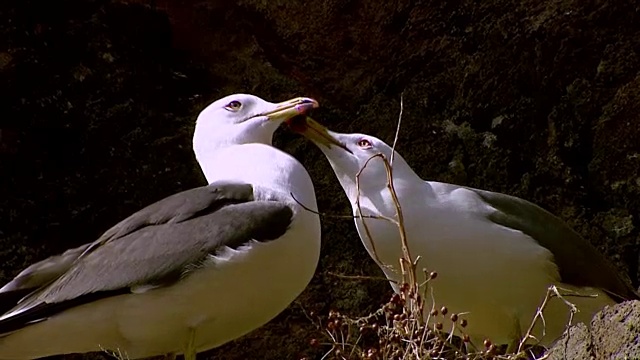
x: 43, y: 272
x: 173, y: 209
x: 579, y: 262
x: 36, y: 276
x: 156, y: 247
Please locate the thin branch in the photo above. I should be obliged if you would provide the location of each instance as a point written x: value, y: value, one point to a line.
x: 395, y: 140
x: 361, y: 277
x: 306, y: 314
x: 364, y: 223
x: 552, y: 291
x: 338, y: 216
x: 400, y: 222
x: 399, y: 218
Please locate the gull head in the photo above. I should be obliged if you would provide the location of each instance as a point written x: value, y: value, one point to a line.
x: 243, y: 119
x: 358, y: 160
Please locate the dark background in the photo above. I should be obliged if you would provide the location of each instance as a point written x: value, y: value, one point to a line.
x: 536, y: 98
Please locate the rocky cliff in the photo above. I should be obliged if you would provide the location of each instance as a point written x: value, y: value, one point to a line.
x: 538, y: 99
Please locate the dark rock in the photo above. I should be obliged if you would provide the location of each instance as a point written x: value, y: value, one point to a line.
x: 535, y: 99
x: 614, y: 334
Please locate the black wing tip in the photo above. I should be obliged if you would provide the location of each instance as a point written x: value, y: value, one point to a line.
x: 9, y: 299
x: 42, y: 311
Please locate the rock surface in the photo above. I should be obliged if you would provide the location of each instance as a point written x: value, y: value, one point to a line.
x: 538, y: 99
x: 614, y: 334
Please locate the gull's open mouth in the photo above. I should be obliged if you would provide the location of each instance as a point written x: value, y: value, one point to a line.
x: 298, y: 123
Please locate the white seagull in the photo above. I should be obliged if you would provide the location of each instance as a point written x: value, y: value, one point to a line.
x: 189, y: 272
x: 495, y: 254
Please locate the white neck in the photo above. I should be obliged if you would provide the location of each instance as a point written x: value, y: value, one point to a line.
x: 259, y: 164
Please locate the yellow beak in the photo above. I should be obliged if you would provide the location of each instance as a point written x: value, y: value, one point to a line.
x: 290, y: 108
x: 315, y: 132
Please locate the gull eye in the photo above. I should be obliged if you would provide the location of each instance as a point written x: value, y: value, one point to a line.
x: 233, y: 106
x: 364, y: 144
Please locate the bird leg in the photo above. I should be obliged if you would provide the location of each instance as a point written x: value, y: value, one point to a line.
x: 190, y: 350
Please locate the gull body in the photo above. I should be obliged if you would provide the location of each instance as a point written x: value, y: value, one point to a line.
x: 495, y: 254
x: 190, y: 272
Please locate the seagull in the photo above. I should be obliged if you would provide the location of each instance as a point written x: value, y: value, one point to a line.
x: 190, y: 272
x: 495, y: 255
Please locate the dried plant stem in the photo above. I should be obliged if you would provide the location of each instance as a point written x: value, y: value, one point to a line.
x: 399, y: 221
x: 395, y: 139
x: 413, y: 282
x: 363, y: 217
x: 335, y: 215
x: 552, y: 291
x: 361, y: 277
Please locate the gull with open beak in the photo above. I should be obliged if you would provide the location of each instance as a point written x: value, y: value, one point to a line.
x: 190, y: 272
x: 495, y: 254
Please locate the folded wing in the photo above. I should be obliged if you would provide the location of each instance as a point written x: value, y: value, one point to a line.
x: 579, y: 262
x: 154, y: 247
